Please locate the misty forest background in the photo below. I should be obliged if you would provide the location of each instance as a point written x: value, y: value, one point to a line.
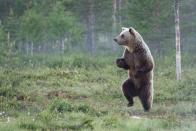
x: 58, y: 26
x: 58, y: 72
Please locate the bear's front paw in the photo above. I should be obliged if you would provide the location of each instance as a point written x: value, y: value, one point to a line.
x: 120, y: 62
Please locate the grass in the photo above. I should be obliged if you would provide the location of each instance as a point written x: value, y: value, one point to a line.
x: 81, y: 92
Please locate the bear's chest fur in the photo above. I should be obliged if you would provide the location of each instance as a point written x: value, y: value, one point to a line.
x: 135, y: 60
x: 130, y: 59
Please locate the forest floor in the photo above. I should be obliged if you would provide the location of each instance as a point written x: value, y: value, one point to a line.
x: 82, y: 93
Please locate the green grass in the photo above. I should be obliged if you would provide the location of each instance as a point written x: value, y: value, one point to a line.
x: 81, y: 92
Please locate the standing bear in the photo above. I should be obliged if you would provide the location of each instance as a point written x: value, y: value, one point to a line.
x: 137, y: 59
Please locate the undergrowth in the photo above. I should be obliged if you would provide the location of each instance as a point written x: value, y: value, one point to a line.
x: 83, y: 92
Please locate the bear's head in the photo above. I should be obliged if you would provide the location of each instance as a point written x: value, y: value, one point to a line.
x: 128, y: 38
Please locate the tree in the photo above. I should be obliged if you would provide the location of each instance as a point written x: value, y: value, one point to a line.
x: 178, y: 51
x: 90, y: 27
x: 116, y: 17
x: 62, y: 25
x: 2, y: 43
x: 44, y: 26
x: 114, y: 26
x: 32, y: 26
x: 153, y: 19
x: 119, y: 8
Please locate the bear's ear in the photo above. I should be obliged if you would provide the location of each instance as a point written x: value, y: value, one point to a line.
x: 124, y: 28
x: 131, y: 30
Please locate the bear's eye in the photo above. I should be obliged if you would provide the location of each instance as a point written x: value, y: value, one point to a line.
x: 122, y: 36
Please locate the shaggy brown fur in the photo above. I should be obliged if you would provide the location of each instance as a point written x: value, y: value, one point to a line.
x: 139, y: 63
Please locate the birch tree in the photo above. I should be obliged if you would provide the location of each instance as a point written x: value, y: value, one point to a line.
x: 178, y: 52
x: 114, y: 26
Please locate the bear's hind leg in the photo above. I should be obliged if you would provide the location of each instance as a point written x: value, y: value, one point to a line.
x: 129, y: 91
x: 146, y: 97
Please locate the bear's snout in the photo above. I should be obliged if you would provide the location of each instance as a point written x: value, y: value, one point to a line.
x: 115, y: 39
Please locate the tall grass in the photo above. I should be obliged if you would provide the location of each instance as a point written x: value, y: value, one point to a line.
x: 83, y: 92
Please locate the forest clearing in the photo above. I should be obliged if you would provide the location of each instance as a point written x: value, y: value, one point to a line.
x: 58, y: 67
x: 82, y: 93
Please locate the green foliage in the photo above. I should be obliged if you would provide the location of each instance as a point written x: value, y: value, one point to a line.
x: 42, y: 21
x: 32, y: 26
x: 61, y: 106
x: 59, y: 21
x: 148, y: 15
x: 45, y: 97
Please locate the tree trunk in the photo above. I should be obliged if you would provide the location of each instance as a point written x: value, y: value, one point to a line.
x: 62, y: 46
x: 114, y: 25
x: 20, y: 47
x: 31, y: 49
x: 157, y: 15
x: 7, y: 52
x: 39, y: 48
x: 90, y: 36
x: 177, y: 29
x: 27, y: 48
x: 44, y: 48
x: 157, y: 28
x: 119, y: 6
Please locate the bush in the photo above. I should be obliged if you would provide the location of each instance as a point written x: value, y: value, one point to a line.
x: 60, y: 106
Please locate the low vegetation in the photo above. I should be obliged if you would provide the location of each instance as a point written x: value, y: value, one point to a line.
x: 78, y: 92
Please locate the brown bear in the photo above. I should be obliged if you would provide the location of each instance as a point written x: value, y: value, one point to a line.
x: 137, y: 59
